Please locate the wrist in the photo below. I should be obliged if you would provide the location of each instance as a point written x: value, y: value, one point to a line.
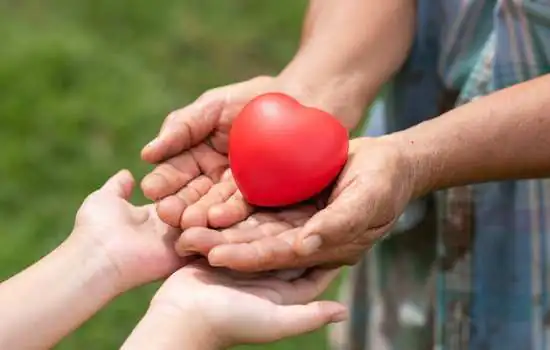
x: 416, y: 163
x: 342, y: 94
x: 166, y: 326
x: 99, y: 267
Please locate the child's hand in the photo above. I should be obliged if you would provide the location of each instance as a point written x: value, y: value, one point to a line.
x: 210, y: 309
x: 114, y: 246
x: 138, y: 246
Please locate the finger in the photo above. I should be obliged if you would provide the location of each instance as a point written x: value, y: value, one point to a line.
x: 234, y: 210
x: 294, y: 320
x: 142, y: 214
x: 169, y: 177
x: 330, y: 226
x: 171, y: 208
x: 257, y: 220
x: 121, y: 185
x: 185, y: 128
x: 269, y: 253
x: 256, y: 227
x: 196, y: 214
x: 300, y: 290
x: 202, y: 240
x: 198, y: 240
x: 289, y: 274
x: 211, y: 163
x: 311, y: 285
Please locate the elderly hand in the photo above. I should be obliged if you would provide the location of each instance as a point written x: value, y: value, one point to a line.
x: 192, y: 177
x: 191, y: 151
x: 369, y: 196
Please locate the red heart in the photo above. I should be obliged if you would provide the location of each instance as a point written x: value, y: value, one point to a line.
x: 282, y: 152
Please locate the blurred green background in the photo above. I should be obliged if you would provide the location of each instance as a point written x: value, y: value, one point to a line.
x: 85, y: 84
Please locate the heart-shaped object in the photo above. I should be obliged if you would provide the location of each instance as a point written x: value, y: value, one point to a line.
x: 282, y: 152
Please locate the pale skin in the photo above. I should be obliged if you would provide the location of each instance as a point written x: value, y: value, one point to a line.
x: 116, y: 246
x: 202, y: 308
x: 113, y: 247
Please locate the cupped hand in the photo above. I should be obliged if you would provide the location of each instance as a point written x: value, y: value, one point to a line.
x: 137, y: 244
x: 370, y: 194
x: 237, y: 311
x: 192, y: 173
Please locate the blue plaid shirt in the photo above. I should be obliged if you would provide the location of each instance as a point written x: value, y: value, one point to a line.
x: 494, y: 293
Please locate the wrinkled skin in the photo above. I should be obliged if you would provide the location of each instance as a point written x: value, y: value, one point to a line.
x: 194, y: 190
x: 370, y: 194
x: 192, y: 176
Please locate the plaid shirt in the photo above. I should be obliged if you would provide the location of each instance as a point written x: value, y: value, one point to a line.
x: 472, y: 271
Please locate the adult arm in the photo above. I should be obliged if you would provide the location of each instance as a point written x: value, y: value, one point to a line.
x: 348, y: 50
x: 502, y: 136
x: 505, y: 135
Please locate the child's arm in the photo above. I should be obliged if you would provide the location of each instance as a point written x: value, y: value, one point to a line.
x: 113, y: 247
x: 166, y: 329
x: 54, y: 296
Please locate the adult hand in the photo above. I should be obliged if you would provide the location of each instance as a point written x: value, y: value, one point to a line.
x: 192, y: 175
x: 369, y: 196
x: 202, y: 307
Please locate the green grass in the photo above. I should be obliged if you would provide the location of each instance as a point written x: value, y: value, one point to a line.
x: 85, y: 84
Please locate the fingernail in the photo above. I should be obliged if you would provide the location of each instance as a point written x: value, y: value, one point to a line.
x: 187, y: 253
x: 153, y: 143
x: 213, y: 260
x: 154, y: 182
x: 339, y: 316
x: 311, y: 244
x: 215, y: 263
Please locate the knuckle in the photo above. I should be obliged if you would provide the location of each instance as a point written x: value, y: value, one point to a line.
x: 350, y: 254
x: 172, y: 116
x: 265, y: 254
x: 352, y: 260
x: 262, y: 78
x: 210, y: 95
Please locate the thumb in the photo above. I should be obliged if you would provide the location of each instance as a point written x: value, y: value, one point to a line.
x: 332, y: 223
x: 298, y: 319
x: 185, y: 128
x: 120, y: 185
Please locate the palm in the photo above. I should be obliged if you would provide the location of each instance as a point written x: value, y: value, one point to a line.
x: 153, y: 255
x: 193, y: 174
x: 138, y: 243
x: 368, y: 199
x: 246, y: 245
x: 242, y: 310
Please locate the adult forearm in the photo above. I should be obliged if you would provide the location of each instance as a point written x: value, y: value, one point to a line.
x: 505, y: 135
x: 48, y: 300
x: 349, y: 49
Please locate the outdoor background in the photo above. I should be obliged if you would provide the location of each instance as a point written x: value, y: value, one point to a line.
x: 85, y: 84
